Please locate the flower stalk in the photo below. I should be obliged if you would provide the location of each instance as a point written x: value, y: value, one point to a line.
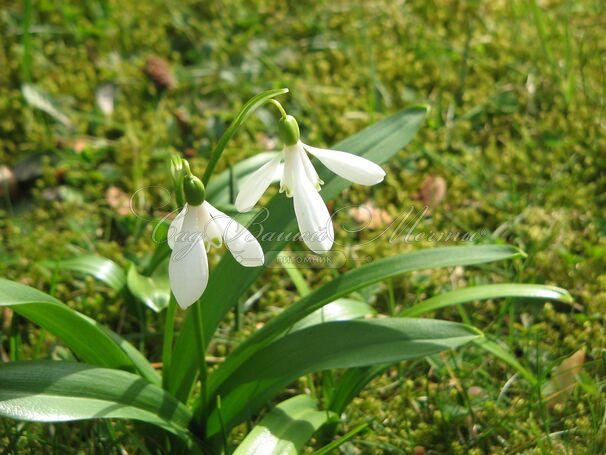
x: 247, y: 109
x: 201, y: 347
x: 169, y: 332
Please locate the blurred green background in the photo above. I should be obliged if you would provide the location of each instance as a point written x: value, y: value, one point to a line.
x: 95, y: 95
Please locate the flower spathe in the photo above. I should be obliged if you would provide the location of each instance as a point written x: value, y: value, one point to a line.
x: 299, y: 180
x: 190, y: 236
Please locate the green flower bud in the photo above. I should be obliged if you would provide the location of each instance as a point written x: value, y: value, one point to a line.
x: 194, y: 191
x: 288, y: 130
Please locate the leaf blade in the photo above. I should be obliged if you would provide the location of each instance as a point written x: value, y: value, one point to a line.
x: 356, y: 279
x: 489, y: 291
x: 154, y: 291
x: 339, y: 310
x: 342, y: 344
x: 89, y: 340
x: 49, y: 391
x: 103, y: 269
x: 285, y: 429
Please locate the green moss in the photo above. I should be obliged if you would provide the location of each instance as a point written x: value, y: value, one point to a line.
x: 515, y: 130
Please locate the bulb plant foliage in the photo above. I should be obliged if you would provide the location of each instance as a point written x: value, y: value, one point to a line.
x: 197, y: 407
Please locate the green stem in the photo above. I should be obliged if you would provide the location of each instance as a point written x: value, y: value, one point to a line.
x: 201, y: 345
x: 169, y: 331
x: 278, y: 106
x: 248, y: 108
x: 214, y: 159
x: 14, y: 339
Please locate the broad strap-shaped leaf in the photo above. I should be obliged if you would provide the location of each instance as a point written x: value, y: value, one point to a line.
x: 103, y: 269
x: 489, y: 291
x: 352, y: 281
x: 342, y: 344
x: 285, y: 429
x: 355, y: 379
x: 89, y: 340
x: 49, y: 391
x: 339, y: 310
x: 154, y: 291
x: 229, y: 280
x: 493, y: 291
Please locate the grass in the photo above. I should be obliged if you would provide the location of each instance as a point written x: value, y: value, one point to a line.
x: 516, y: 132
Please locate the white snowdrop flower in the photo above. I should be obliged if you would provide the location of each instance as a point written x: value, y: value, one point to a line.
x: 299, y: 180
x: 190, y: 236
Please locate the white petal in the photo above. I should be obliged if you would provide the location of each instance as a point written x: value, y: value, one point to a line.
x: 315, y: 223
x: 188, y: 266
x: 286, y: 184
x: 310, y: 171
x: 175, y: 227
x: 211, y: 231
x: 241, y: 243
x: 349, y: 166
x: 255, y: 185
x: 279, y: 172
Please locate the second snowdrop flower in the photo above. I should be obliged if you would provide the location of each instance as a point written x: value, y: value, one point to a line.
x: 191, y: 234
x: 299, y: 180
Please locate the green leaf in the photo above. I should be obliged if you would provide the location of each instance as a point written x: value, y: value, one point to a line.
x: 295, y: 275
x: 339, y: 310
x: 218, y: 191
x: 352, y: 281
x: 342, y: 344
x: 489, y: 291
x: 251, y: 105
x: 162, y: 251
x: 103, y: 269
x: 355, y: 379
x: 154, y: 291
x: 48, y: 391
x: 89, y: 340
x: 229, y: 280
x: 285, y: 429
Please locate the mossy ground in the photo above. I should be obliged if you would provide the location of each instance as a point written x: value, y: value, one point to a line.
x: 516, y: 130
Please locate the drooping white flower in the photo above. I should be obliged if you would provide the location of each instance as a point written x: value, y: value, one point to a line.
x: 299, y: 180
x: 190, y: 236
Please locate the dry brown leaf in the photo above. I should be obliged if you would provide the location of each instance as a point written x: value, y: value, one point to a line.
x: 8, y: 182
x: 118, y: 200
x: 370, y: 216
x: 433, y: 190
x: 564, y: 379
x: 158, y: 70
x: 80, y: 144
